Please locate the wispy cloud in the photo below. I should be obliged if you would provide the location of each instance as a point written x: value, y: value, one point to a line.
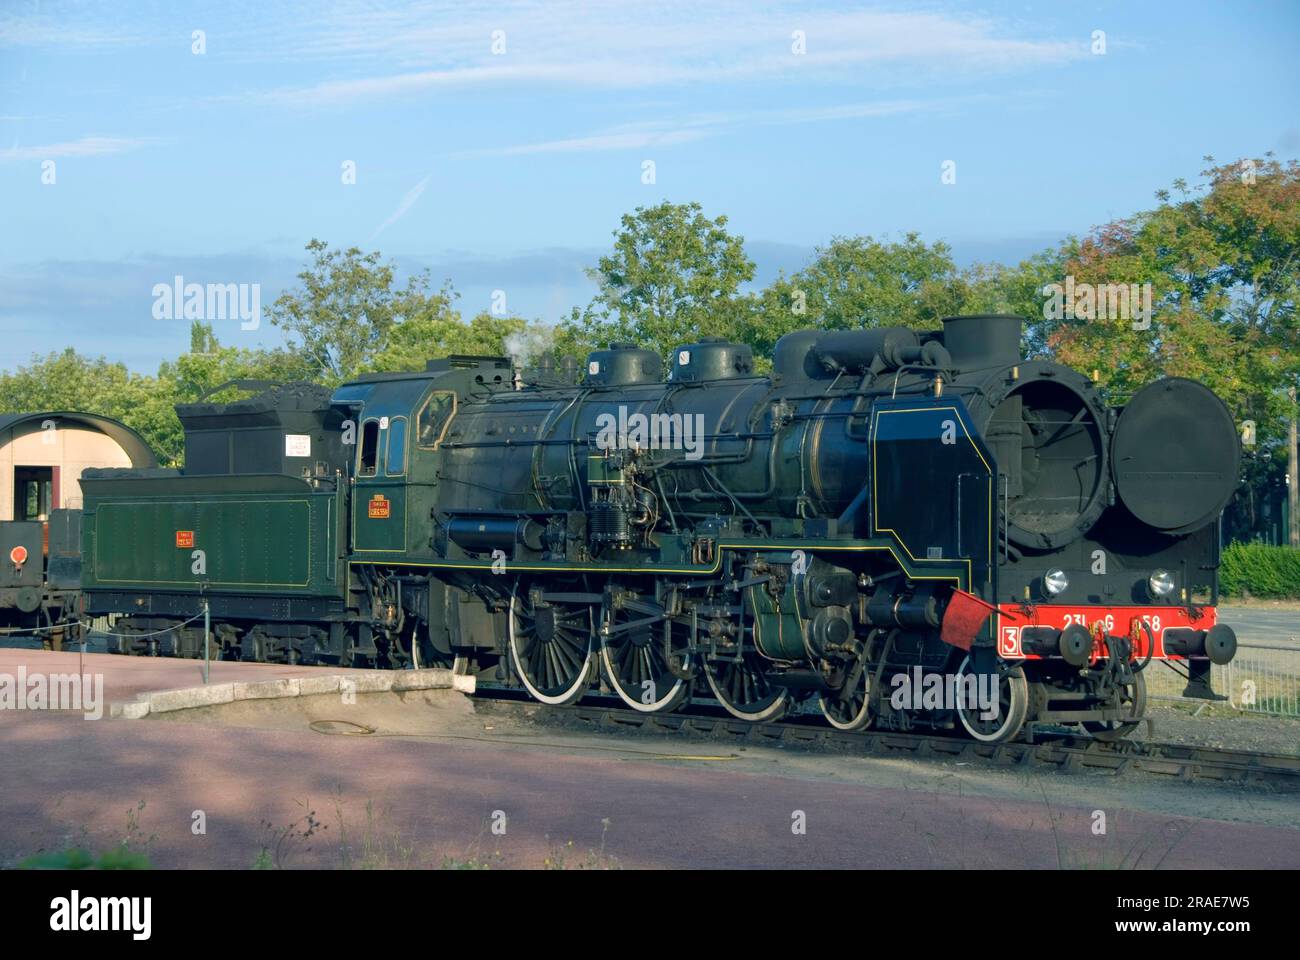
x: 404, y: 207
x: 85, y: 147
x: 700, y: 126
x: 578, y: 43
x: 37, y: 29
x: 381, y: 49
x: 628, y: 140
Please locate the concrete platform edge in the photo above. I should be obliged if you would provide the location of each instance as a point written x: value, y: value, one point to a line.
x: 189, y: 698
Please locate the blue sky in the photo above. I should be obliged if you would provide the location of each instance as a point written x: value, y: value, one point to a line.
x: 509, y: 169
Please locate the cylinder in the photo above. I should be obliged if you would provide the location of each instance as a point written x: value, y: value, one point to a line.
x: 888, y: 609
x: 484, y: 534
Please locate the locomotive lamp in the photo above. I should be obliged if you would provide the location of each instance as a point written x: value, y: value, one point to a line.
x: 1055, y: 582
x: 18, y: 555
x: 1160, y: 583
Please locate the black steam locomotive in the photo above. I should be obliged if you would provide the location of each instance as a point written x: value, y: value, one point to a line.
x: 899, y: 527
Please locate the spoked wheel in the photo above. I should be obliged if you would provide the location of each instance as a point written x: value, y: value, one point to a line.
x: 744, y: 691
x: 1133, y: 703
x: 1012, y: 706
x: 850, y: 708
x: 551, y: 646
x: 636, y: 663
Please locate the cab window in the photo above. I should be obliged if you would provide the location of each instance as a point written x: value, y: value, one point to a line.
x: 434, y: 417
x: 369, y: 455
x: 395, y: 455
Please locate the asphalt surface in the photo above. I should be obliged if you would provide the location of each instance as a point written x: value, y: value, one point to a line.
x: 1265, y: 625
x: 428, y: 787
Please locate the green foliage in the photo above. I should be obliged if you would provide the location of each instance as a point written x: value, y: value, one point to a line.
x: 673, y: 277
x: 69, y: 381
x: 349, y: 316
x: 441, y: 333
x: 119, y: 858
x: 348, y: 305
x: 1223, y: 260
x: 860, y: 282
x: 1259, y: 570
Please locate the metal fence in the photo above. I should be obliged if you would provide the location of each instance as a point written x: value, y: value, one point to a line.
x: 1262, y: 678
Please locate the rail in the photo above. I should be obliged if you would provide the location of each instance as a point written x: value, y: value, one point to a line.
x: 1064, y: 751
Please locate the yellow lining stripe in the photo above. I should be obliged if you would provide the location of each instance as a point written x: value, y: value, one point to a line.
x: 560, y: 566
x: 102, y: 507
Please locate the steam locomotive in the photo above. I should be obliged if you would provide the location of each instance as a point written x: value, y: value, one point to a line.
x: 887, y: 508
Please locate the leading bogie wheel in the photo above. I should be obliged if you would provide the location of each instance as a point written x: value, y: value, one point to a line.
x: 1133, y: 703
x: 850, y: 708
x: 1004, y: 721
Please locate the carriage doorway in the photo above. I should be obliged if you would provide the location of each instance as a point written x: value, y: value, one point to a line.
x: 36, y: 492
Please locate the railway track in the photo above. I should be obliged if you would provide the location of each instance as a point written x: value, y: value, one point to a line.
x: 1050, y: 747
x: 1061, y: 750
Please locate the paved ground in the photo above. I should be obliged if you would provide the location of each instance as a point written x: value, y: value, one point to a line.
x: 427, y: 787
x: 1263, y: 624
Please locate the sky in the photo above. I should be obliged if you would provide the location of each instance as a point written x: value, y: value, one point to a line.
x: 498, y: 144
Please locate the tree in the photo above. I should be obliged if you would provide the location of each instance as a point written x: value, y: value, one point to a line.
x: 347, y: 306
x: 859, y: 282
x: 69, y: 381
x: 441, y: 332
x: 673, y: 277
x: 1223, y: 264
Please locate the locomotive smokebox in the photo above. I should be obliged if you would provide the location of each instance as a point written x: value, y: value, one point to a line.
x: 979, y: 342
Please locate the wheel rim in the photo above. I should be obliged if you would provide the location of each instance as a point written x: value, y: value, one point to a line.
x: 551, y: 648
x: 637, y: 668
x: 1013, y: 704
x: 851, y: 712
x: 743, y: 691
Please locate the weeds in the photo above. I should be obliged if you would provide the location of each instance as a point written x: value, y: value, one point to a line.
x: 282, y: 843
x: 130, y: 853
x: 374, y: 849
x: 558, y: 859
